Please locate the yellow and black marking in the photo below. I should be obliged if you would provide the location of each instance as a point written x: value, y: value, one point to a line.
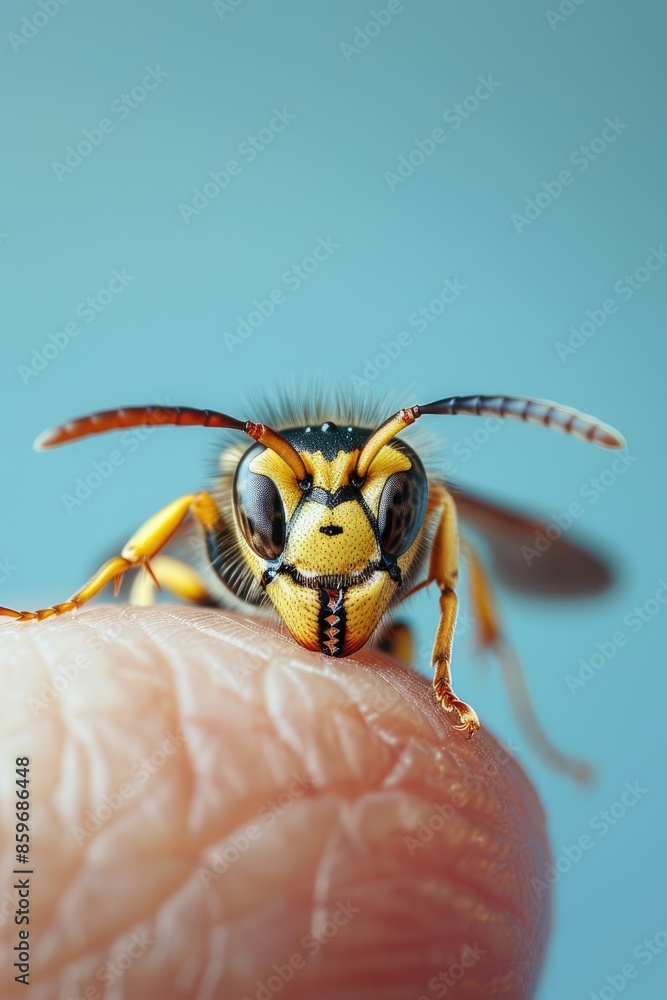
x: 329, y: 555
x: 332, y: 622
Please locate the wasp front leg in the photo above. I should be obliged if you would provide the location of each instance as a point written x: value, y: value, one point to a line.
x: 444, y: 570
x: 141, y: 548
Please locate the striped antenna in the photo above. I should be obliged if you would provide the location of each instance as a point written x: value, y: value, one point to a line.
x: 182, y: 416
x: 534, y: 411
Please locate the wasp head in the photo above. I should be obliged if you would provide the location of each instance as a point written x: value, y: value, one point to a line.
x: 333, y: 550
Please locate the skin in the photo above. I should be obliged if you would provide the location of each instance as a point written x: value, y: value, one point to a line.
x: 326, y: 771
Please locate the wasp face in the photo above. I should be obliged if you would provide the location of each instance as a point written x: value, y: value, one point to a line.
x: 331, y: 556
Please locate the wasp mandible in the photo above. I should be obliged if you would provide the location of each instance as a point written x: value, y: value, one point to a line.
x: 332, y: 524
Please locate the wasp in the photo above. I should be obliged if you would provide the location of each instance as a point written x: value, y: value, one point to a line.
x: 332, y: 523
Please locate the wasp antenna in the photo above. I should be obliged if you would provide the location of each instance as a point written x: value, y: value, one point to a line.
x: 385, y: 432
x: 134, y: 416
x: 182, y: 416
x: 535, y: 411
x: 271, y: 439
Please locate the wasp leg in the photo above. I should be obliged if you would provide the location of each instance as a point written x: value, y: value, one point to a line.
x: 444, y: 570
x: 398, y: 642
x: 173, y: 575
x: 143, y: 545
x: 490, y: 636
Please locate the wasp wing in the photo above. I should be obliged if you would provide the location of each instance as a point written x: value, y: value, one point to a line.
x: 527, y: 553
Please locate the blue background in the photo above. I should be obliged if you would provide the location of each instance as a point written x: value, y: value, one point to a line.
x: 162, y: 338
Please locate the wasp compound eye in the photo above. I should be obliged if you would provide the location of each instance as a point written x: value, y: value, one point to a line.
x: 401, y: 511
x: 260, y: 511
